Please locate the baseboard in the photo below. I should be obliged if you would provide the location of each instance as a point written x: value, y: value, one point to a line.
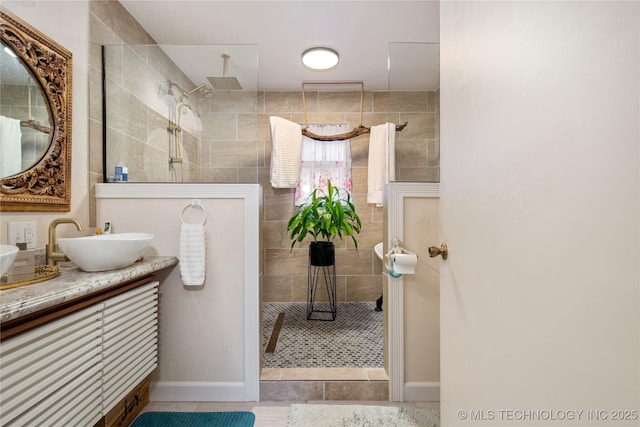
x: 422, y: 392
x: 197, y: 391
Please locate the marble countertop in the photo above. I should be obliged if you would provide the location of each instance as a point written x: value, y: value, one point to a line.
x: 73, y: 283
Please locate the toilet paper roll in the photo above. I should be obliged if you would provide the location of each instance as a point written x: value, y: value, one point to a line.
x: 404, y: 263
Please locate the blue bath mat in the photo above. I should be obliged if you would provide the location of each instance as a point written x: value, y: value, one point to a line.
x: 195, y: 419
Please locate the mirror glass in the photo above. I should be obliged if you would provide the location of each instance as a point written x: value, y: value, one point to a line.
x: 25, y: 117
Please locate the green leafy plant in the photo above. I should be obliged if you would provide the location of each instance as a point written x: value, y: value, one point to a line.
x: 325, y: 216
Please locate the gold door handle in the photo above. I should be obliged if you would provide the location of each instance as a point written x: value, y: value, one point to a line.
x: 442, y: 251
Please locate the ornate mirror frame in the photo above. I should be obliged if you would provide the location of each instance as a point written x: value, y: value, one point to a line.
x: 46, y: 185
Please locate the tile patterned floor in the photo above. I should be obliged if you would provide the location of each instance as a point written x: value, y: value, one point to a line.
x: 353, y: 340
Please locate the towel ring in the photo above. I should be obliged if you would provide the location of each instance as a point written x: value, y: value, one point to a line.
x: 196, y: 204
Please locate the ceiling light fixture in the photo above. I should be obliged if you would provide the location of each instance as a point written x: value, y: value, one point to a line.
x: 320, y: 58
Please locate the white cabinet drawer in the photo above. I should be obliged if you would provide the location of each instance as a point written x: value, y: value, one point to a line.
x: 43, y: 368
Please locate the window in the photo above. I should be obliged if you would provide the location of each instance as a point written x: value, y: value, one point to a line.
x: 324, y: 161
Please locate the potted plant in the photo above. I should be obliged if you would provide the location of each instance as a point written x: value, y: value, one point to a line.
x: 325, y: 216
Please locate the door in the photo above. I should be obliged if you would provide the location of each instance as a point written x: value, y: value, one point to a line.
x: 540, y: 196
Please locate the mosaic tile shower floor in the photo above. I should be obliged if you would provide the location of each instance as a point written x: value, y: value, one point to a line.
x: 353, y: 340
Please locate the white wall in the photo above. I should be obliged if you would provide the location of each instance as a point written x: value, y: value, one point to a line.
x: 209, y: 336
x: 540, y: 206
x: 67, y: 23
x: 422, y: 301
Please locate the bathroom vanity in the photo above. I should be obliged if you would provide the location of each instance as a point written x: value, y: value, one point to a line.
x: 78, y: 349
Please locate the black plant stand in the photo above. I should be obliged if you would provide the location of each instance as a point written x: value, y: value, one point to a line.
x: 322, y: 274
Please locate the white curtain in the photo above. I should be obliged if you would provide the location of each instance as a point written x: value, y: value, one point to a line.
x: 323, y: 161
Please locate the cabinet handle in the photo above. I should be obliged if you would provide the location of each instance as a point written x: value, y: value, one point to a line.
x: 128, y: 408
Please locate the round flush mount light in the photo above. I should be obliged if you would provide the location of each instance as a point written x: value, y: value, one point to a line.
x: 320, y: 58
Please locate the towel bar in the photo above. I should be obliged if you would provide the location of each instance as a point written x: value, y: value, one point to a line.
x: 196, y: 204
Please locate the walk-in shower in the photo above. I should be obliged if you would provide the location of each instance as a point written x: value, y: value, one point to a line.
x: 174, y: 113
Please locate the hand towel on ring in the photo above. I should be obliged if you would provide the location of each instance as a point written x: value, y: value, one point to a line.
x: 193, y: 254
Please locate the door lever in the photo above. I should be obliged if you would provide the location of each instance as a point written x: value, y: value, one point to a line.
x: 443, y: 251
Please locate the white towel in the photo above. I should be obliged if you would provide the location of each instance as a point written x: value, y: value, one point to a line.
x: 382, y: 160
x: 286, y: 145
x: 10, y: 146
x: 193, y: 254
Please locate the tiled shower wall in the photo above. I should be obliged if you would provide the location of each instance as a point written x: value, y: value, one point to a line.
x: 359, y: 272
x: 137, y: 116
x: 235, y: 146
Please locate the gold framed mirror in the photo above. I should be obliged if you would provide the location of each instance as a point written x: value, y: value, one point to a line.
x: 45, y: 183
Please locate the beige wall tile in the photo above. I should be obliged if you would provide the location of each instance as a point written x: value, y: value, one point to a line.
x: 357, y: 390
x: 411, y: 153
x: 353, y: 262
x: 245, y: 102
x: 275, y: 235
x: 286, y: 102
x: 420, y: 126
x: 370, y: 235
x: 278, y: 206
x: 248, y: 174
x: 219, y: 126
x: 320, y: 374
x: 247, y: 126
x: 408, y: 101
x: 277, y: 288
x: 283, y: 261
x: 234, y: 154
x: 364, y: 288
x: 95, y: 147
x: 343, y: 101
x: 159, y: 135
x: 291, y: 390
x: 218, y: 175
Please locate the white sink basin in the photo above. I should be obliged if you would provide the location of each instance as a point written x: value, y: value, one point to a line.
x: 8, y: 254
x: 106, y: 251
x: 378, y: 250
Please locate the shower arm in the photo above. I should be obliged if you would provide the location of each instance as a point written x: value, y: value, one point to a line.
x: 183, y: 93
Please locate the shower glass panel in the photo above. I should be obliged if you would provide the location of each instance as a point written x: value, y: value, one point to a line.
x: 181, y: 113
x: 414, y: 97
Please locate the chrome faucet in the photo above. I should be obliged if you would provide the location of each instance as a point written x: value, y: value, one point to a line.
x: 53, y: 253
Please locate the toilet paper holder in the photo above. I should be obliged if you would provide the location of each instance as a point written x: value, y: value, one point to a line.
x: 396, y: 248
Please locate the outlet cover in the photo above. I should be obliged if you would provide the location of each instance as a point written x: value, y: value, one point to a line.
x: 22, y: 232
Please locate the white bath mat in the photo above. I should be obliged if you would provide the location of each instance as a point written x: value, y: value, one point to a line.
x: 361, y: 416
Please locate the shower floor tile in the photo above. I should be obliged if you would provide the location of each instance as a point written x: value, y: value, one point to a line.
x: 353, y: 340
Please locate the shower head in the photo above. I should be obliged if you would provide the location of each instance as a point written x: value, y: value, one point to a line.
x: 224, y: 82
x: 206, y: 92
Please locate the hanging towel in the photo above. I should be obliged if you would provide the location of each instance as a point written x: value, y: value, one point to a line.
x: 193, y: 251
x: 286, y: 145
x: 382, y: 160
x: 10, y: 146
